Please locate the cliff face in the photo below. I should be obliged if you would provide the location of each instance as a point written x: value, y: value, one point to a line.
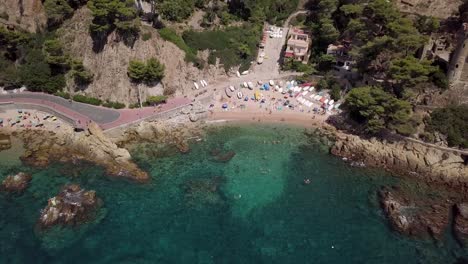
x: 26, y: 14
x: 406, y: 157
x: 110, y: 65
x: 437, y: 8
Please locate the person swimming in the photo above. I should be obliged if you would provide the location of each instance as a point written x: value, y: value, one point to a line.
x: 307, y: 181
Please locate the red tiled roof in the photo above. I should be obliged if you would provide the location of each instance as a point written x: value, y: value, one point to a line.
x: 289, y: 54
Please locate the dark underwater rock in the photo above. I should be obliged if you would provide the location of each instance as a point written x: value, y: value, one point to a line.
x: 412, y: 216
x: 220, y: 156
x: 71, y: 207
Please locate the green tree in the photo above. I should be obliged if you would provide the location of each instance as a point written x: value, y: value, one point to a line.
x: 81, y: 75
x: 451, y: 121
x: 53, y: 50
x: 326, y: 62
x: 376, y: 108
x: 427, y: 24
x: 409, y: 71
x: 157, y: 99
x: 154, y: 70
x: 176, y: 10
x: 335, y: 92
x: 57, y: 11
x: 136, y: 70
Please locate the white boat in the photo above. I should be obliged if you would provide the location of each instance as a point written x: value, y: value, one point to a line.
x: 259, y: 82
x: 306, y: 88
x: 326, y: 101
x: 228, y: 92
x: 305, y: 93
x: 272, y: 82
x: 239, y: 95
x: 238, y: 74
x: 280, y: 90
x: 245, y: 85
x: 245, y: 72
x: 196, y: 85
x: 206, y: 84
x: 281, y: 83
x: 276, y: 88
x: 250, y: 85
x: 232, y: 88
x: 331, y: 102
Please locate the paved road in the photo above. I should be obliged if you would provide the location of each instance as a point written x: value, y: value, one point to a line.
x: 99, y: 115
x: 84, y: 113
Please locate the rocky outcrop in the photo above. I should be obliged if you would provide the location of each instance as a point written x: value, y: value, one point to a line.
x: 28, y: 15
x: 16, y: 183
x: 199, y: 192
x: 436, y: 8
x: 414, y: 216
x: 5, y: 142
x: 461, y: 223
x: 405, y: 157
x: 43, y: 147
x: 220, y: 156
x: 110, y: 65
x: 71, y: 207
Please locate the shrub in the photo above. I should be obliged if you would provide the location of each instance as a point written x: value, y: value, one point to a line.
x: 150, y: 72
x: 154, y: 100
x: 451, y: 121
x: 171, y: 36
x: 87, y: 100
x: 63, y: 94
x: 335, y: 92
x: 146, y: 36
x: 115, y: 105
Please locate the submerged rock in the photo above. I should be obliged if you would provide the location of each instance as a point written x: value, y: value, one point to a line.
x: 72, y: 206
x: 461, y: 223
x: 220, y: 156
x: 414, y: 217
x: 5, y: 142
x: 204, y: 191
x: 16, y: 183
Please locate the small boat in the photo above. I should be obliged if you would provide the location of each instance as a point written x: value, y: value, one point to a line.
x: 231, y: 88
x: 250, y: 85
x: 238, y: 74
x: 245, y: 72
x: 196, y: 85
x: 272, y: 83
x: 240, y: 95
x: 205, y: 83
x: 246, y: 85
x: 228, y: 92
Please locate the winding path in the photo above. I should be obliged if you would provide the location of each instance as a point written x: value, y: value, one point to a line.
x: 82, y: 114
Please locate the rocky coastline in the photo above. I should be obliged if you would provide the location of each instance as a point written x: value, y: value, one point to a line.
x: 43, y: 147
x: 405, y: 158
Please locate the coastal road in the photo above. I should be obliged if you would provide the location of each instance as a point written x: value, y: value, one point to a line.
x: 82, y: 114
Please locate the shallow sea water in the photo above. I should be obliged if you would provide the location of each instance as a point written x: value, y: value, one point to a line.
x: 252, y: 209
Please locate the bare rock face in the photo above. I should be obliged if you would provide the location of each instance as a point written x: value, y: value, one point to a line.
x: 93, y: 146
x: 110, y: 65
x: 5, y: 142
x: 414, y: 217
x: 70, y: 207
x: 28, y: 15
x: 16, y: 183
x: 461, y: 223
x: 437, y: 8
x: 404, y: 157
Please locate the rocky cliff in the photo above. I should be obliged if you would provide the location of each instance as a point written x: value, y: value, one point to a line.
x: 406, y: 157
x: 26, y: 14
x: 437, y: 8
x: 110, y: 65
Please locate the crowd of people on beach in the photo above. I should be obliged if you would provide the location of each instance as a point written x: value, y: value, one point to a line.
x: 278, y: 96
x: 28, y: 119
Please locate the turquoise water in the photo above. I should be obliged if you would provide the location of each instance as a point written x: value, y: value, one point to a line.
x: 252, y: 209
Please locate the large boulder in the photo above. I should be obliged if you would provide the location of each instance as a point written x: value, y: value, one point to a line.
x: 413, y: 216
x: 71, y: 207
x: 16, y: 183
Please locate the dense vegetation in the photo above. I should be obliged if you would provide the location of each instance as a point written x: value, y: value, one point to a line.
x: 451, y: 121
x: 233, y: 45
x: 190, y: 55
x: 37, y: 61
x: 110, y: 15
x: 377, y: 109
x: 155, y: 100
x: 149, y: 72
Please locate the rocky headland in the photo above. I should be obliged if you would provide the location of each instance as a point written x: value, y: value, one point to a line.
x: 44, y: 147
x: 405, y: 157
x: 16, y: 183
x: 72, y: 206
